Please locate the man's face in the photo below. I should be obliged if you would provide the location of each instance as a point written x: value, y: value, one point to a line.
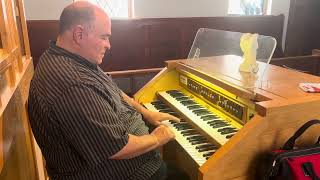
x: 96, y: 39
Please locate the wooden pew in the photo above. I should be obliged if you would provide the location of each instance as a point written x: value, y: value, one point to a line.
x: 307, y: 64
x: 132, y: 80
x: 20, y: 158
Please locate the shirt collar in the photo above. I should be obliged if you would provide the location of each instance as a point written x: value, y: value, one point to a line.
x: 54, y: 49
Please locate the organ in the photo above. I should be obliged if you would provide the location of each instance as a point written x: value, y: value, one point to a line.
x: 229, y: 119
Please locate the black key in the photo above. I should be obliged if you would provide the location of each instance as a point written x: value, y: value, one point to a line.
x: 208, y: 154
x: 229, y: 131
x: 198, y: 142
x: 176, y: 95
x: 195, y: 137
x: 173, y: 91
x: 194, y: 107
x: 160, y: 106
x: 226, y: 129
x: 208, y: 117
x: 183, y: 98
x: 204, y: 145
x: 157, y: 103
x: 207, y: 148
x: 184, y: 128
x: 180, y: 124
x: 174, y: 114
x: 216, y: 122
x: 202, y: 113
x: 188, y: 102
x: 195, y: 142
x: 229, y: 136
x: 189, y: 132
x: 218, y: 125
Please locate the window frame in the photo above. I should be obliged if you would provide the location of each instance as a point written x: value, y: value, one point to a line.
x: 266, y: 9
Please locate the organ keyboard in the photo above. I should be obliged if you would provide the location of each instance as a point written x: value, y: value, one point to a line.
x: 196, y: 145
x: 225, y: 127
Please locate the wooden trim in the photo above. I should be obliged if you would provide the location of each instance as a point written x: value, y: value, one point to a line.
x: 24, y: 29
x: 134, y: 72
x: 4, y: 62
x: 130, y: 8
x: 265, y: 7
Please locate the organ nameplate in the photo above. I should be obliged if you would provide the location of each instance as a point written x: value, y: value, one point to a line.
x: 183, y: 79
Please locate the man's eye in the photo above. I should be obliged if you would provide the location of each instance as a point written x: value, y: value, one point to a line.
x: 104, y: 38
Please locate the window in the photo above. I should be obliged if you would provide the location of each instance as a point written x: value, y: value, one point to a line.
x: 116, y: 8
x: 249, y: 7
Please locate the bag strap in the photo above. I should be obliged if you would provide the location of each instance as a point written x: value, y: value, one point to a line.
x: 308, y: 169
x: 291, y: 142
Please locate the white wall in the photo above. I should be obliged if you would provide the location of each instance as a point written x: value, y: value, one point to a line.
x: 180, y: 8
x: 44, y: 9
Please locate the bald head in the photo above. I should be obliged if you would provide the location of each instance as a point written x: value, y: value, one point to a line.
x: 78, y: 13
x: 85, y: 30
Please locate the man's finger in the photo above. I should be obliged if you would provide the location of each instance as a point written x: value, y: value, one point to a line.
x: 173, y: 118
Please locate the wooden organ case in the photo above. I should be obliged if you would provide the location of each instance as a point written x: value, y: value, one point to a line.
x: 227, y: 128
x: 19, y: 157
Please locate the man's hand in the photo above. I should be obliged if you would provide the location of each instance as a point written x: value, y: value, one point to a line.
x: 138, y: 145
x: 163, y: 134
x: 155, y: 118
x: 151, y: 116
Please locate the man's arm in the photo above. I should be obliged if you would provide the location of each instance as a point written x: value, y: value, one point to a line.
x: 134, y: 103
x: 138, y: 145
x: 153, y: 117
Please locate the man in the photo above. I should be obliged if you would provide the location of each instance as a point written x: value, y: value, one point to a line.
x: 85, y: 126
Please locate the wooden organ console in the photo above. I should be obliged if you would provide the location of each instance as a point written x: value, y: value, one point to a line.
x: 226, y: 127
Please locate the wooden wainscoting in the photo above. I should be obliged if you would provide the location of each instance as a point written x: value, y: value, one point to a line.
x: 307, y: 64
x: 147, y: 43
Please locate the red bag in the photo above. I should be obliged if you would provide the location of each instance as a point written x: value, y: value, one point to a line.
x: 296, y: 164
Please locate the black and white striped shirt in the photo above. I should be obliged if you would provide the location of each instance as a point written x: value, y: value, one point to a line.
x: 80, y: 119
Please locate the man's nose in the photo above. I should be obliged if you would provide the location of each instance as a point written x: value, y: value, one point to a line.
x: 107, y: 44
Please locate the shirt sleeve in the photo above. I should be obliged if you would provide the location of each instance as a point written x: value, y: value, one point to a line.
x: 90, y: 123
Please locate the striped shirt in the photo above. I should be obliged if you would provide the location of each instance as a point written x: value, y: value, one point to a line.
x: 80, y: 119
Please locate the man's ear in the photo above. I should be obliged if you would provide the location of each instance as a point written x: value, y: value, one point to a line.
x: 78, y: 33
